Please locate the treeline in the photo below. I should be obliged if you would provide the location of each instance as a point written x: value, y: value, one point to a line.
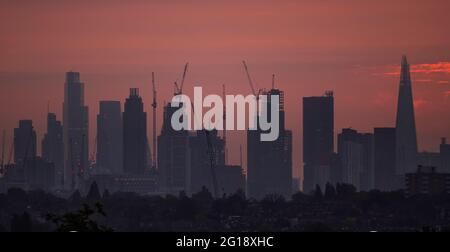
x: 336, y: 208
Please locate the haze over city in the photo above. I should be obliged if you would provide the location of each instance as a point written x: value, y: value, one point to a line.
x: 353, y: 50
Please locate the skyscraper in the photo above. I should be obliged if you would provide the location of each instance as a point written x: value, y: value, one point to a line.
x: 318, y: 140
x: 384, y: 159
x: 75, y: 132
x: 356, y: 153
x: 173, y: 156
x: 109, y: 137
x: 200, y: 166
x: 53, y: 148
x: 24, y: 142
x: 406, y: 141
x: 134, y: 135
x: 270, y: 162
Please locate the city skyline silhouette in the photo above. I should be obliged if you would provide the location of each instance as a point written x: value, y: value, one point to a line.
x: 213, y: 117
x: 358, y: 61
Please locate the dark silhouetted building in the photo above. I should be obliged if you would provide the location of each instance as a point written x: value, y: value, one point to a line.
x: 53, y: 148
x: 296, y: 185
x: 109, y: 138
x: 318, y: 140
x: 427, y: 181
x: 29, y: 171
x: 429, y: 159
x: 75, y: 132
x: 445, y: 155
x: 384, y: 159
x: 13, y: 177
x: 356, y: 153
x: 141, y: 184
x: 40, y: 174
x: 173, y: 156
x: 406, y: 141
x: 24, y: 142
x: 230, y: 179
x: 270, y: 162
x: 134, y: 135
x: 336, y: 169
x: 200, y: 173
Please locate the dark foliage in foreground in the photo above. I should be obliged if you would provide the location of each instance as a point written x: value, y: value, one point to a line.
x: 338, y: 208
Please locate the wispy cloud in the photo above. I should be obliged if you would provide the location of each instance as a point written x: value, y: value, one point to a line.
x: 419, y: 103
x: 439, y: 67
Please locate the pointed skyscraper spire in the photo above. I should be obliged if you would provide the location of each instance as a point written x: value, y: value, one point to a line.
x: 406, y: 139
x: 405, y: 78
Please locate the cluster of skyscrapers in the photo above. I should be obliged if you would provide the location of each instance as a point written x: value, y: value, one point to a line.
x: 381, y: 159
x: 192, y: 160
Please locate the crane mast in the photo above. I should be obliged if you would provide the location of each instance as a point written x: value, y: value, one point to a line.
x: 250, y: 79
x: 154, y: 105
x: 179, y: 89
x: 210, y: 147
x: 224, y: 126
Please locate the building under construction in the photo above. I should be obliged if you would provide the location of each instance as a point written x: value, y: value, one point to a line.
x: 270, y: 162
x: 173, y: 158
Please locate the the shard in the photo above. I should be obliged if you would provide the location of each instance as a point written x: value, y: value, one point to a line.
x: 406, y: 140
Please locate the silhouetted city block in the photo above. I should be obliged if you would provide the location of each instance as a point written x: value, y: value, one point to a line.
x: 356, y: 153
x: 318, y: 140
x: 75, y: 132
x: 24, y: 142
x: 384, y: 159
x: 109, y: 138
x: 200, y: 173
x: 53, y: 148
x: 173, y: 155
x: 427, y: 181
x: 134, y: 135
x: 269, y: 163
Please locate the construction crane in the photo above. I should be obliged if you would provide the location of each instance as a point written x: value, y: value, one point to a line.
x: 212, y: 162
x: 179, y: 89
x: 154, y: 105
x: 209, y: 144
x: 224, y: 126
x: 11, y: 152
x: 251, y: 82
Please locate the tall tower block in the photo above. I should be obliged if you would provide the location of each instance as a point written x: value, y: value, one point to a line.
x: 406, y: 139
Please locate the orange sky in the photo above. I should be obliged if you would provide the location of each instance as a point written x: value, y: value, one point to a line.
x: 352, y: 47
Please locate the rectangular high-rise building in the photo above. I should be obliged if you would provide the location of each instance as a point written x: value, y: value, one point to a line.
x: 53, y: 148
x: 200, y: 173
x: 384, y: 159
x: 109, y: 138
x: 173, y: 156
x: 134, y: 135
x: 24, y: 142
x: 318, y: 140
x: 269, y: 163
x: 355, y: 151
x: 75, y: 132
